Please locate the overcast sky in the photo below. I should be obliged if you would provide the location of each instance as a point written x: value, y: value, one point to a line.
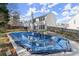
x: 63, y: 11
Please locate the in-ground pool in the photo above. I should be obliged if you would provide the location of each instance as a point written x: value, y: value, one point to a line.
x: 40, y: 43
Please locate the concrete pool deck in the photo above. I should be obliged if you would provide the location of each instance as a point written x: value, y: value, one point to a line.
x: 23, y: 52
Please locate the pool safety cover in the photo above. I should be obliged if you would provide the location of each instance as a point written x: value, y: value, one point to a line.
x: 40, y: 43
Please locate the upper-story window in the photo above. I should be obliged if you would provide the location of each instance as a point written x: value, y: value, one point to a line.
x: 41, y: 18
x: 34, y: 20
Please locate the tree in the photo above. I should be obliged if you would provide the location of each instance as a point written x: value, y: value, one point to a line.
x: 15, y: 15
x: 4, y: 16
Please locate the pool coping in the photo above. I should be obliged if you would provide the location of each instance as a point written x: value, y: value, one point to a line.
x: 19, y: 50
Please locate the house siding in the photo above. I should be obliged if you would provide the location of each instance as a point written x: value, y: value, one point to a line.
x: 50, y: 20
x: 74, y: 23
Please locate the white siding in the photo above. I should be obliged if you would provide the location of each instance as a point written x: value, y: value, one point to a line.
x: 50, y: 20
x: 74, y: 23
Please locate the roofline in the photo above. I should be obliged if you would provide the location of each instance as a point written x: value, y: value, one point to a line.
x: 43, y: 15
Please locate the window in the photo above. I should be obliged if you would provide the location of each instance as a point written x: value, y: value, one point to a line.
x: 34, y: 20
x: 42, y: 27
x: 42, y: 18
x: 39, y: 27
x: 34, y: 27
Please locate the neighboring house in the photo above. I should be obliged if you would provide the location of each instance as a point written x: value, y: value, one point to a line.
x: 74, y: 23
x: 42, y: 22
x: 26, y: 25
x: 15, y: 23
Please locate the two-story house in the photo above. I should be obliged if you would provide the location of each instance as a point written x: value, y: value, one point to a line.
x: 42, y: 22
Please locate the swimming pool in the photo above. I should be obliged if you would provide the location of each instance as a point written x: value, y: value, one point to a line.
x: 40, y: 43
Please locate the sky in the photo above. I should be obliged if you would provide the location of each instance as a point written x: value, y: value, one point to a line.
x: 63, y: 11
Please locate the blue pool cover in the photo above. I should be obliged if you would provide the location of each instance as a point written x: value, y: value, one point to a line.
x: 40, y: 43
